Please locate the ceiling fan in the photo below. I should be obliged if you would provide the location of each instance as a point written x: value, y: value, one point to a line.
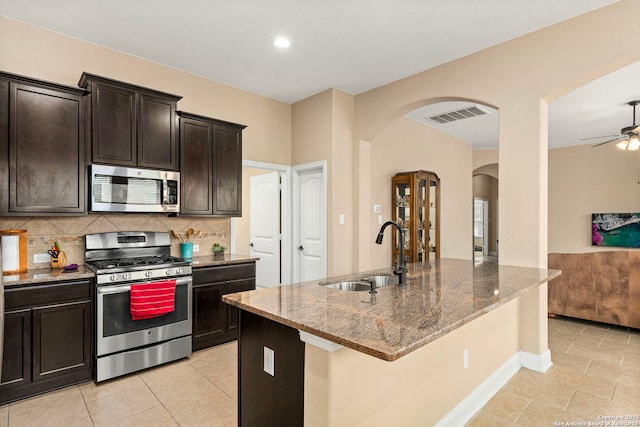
x: 629, y: 138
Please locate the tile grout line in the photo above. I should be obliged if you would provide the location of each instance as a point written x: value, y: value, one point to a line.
x: 523, y: 409
x: 85, y: 406
x: 159, y: 401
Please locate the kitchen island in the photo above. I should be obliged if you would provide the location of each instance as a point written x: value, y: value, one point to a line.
x: 425, y: 353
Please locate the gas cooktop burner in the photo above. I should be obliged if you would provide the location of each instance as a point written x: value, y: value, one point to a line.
x: 128, y: 256
x: 137, y: 261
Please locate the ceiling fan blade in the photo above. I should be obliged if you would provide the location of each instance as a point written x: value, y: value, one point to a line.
x: 611, y: 140
x: 603, y: 136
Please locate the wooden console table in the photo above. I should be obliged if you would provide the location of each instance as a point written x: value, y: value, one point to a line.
x: 599, y: 286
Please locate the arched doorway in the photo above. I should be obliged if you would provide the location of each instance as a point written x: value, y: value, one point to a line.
x: 485, y: 213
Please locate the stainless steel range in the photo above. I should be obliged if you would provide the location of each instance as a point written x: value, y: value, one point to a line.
x: 138, y: 262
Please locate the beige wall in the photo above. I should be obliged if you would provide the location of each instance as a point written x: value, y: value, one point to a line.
x: 585, y: 180
x: 322, y: 130
x: 407, y: 145
x: 482, y: 158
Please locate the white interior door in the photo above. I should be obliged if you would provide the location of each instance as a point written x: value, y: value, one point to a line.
x: 265, y: 228
x: 311, y: 214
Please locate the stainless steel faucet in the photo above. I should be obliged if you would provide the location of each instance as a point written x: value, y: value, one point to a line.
x: 401, y: 262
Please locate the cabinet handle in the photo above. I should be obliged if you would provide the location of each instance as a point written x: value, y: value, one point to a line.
x: 301, y: 248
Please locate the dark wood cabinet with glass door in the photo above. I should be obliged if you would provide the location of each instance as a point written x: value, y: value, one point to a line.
x: 415, y: 201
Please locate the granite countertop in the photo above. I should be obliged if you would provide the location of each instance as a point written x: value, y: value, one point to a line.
x: 229, y: 259
x: 40, y: 275
x: 439, y: 297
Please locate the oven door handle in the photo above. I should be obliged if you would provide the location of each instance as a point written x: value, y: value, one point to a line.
x: 107, y: 290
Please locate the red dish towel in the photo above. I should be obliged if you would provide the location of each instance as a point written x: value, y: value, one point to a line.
x: 152, y: 299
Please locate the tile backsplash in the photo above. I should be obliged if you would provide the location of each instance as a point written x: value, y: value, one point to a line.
x: 43, y: 232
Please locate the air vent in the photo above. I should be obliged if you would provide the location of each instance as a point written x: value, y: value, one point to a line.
x: 464, y: 113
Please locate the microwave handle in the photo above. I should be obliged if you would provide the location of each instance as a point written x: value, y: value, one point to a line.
x: 165, y: 192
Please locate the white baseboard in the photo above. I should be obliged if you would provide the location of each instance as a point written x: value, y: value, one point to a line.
x: 470, y: 405
x: 536, y: 362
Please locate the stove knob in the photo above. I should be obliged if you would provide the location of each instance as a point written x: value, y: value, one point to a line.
x: 168, y: 272
x: 178, y: 270
x: 113, y: 277
x: 126, y: 276
x: 148, y: 273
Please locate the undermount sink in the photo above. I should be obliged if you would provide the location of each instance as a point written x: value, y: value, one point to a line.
x: 350, y: 285
x: 382, y: 279
x: 364, y: 284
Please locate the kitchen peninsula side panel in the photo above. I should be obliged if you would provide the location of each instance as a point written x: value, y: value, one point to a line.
x: 265, y: 399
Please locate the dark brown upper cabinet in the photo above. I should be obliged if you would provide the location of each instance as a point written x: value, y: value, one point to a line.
x: 210, y: 166
x: 42, y: 147
x: 131, y: 125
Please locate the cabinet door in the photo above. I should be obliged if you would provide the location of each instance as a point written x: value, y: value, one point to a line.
x: 16, y: 360
x: 61, y: 339
x: 4, y: 146
x: 208, y: 315
x: 196, y: 171
x: 156, y: 139
x: 233, y: 313
x: 113, y: 111
x: 46, y: 151
x: 227, y: 172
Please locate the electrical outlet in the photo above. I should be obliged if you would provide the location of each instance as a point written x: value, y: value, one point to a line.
x: 465, y: 358
x: 196, y: 248
x: 38, y: 258
x: 341, y: 219
x: 379, y: 219
x: 269, y: 361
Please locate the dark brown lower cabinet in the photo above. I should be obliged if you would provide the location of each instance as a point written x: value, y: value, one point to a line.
x: 265, y: 399
x: 215, y: 322
x: 16, y: 361
x: 47, y: 338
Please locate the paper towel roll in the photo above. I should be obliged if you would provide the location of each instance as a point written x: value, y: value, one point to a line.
x: 10, y: 253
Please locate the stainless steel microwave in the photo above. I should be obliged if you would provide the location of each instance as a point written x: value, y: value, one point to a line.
x: 123, y: 189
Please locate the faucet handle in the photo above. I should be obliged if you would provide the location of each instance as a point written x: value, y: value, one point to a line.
x: 400, y: 269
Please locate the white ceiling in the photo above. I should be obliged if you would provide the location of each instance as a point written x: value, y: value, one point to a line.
x: 352, y: 45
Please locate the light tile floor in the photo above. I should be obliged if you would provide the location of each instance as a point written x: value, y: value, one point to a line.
x: 199, y: 391
x: 596, y: 372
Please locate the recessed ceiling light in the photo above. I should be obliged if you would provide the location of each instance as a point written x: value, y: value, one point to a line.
x: 282, y: 42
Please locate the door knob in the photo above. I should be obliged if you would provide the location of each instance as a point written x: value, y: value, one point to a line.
x: 251, y: 244
x: 301, y: 248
